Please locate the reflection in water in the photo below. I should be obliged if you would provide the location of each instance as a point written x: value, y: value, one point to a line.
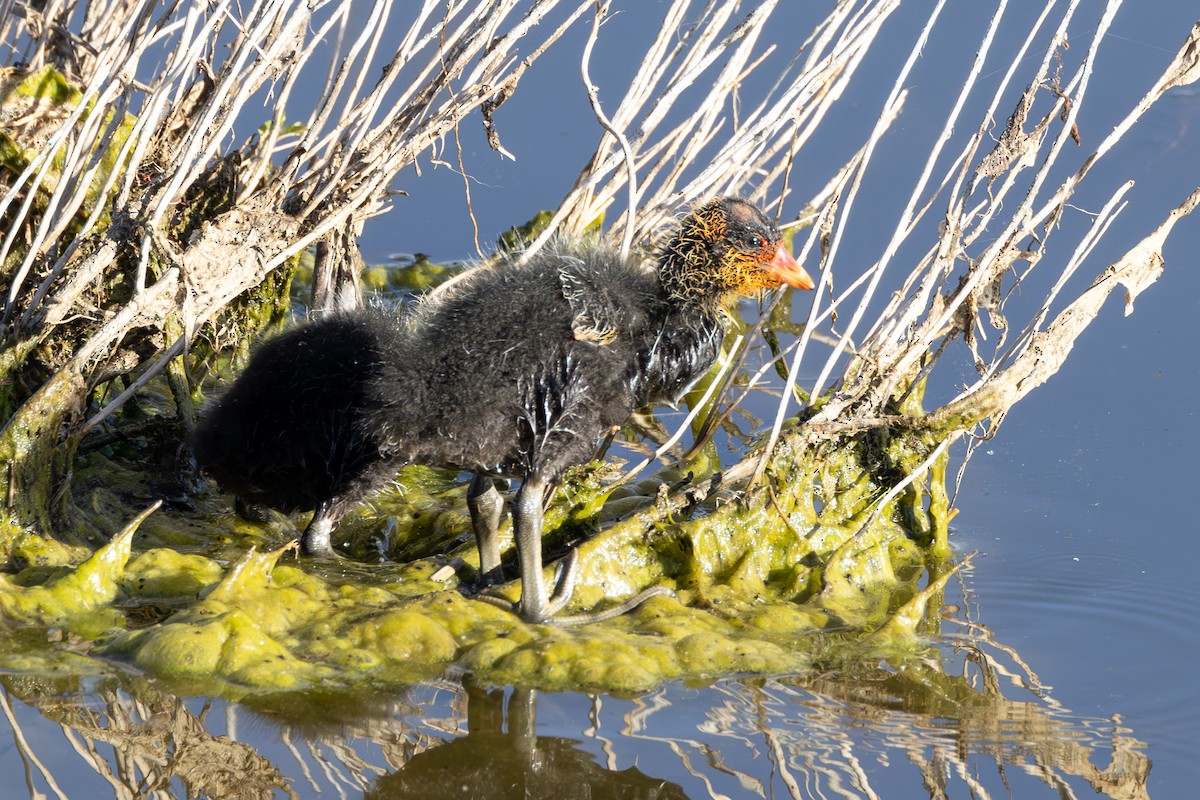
x: 137, y: 740
x: 940, y: 730
x: 499, y: 760
x: 942, y: 727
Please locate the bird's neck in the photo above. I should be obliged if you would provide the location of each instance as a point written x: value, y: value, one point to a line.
x: 687, y: 275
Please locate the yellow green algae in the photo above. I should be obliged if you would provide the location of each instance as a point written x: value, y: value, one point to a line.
x: 786, y: 579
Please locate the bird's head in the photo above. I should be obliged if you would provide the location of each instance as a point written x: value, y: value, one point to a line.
x: 726, y: 249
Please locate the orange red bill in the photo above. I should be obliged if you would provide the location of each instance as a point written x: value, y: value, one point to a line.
x: 785, y: 269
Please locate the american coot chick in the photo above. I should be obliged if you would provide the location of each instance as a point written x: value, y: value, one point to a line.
x: 506, y: 371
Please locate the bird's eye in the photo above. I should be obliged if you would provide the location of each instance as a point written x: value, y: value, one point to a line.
x: 755, y: 241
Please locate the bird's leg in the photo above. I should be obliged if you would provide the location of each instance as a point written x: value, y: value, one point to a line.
x: 527, y: 526
x: 315, y: 539
x: 486, y: 507
x: 565, y: 577
x: 535, y: 605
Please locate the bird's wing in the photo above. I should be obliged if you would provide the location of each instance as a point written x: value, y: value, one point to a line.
x: 595, y: 316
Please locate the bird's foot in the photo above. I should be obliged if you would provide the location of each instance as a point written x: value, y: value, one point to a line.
x: 575, y: 620
x: 315, y: 541
x: 489, y: 578
x: 332, y: 556
x: 566, y: 575
x: 497, y: 600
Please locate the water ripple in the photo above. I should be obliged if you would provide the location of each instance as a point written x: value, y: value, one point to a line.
x: 1119, y: 604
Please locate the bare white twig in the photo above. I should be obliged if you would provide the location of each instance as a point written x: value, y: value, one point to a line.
x: 626, y: 149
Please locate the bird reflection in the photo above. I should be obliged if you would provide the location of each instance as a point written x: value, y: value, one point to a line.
x: 503, y: 757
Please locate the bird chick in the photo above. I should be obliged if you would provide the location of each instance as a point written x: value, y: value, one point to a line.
x: 511, y: 371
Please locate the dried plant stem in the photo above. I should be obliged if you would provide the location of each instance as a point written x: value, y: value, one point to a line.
x: 626, y: 150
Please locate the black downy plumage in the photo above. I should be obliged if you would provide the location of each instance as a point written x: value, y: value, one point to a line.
x: 507, y: 371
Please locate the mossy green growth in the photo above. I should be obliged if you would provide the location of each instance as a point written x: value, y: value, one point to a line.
x: 47, y: 95
x: 47, y: 85
x: 419, y: 274
x: 802, y: 571
x: 78, y: 593
x: 406, y: 275
x: 517, y: 237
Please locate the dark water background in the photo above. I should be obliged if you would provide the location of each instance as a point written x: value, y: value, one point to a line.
x: 1086, y: 584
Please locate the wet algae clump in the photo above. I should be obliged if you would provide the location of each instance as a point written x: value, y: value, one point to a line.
x: 796, y: 574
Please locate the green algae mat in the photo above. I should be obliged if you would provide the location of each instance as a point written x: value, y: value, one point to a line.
x: 804, y: 571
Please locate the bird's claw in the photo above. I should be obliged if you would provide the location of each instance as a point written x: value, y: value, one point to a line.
x: 574, y: 620
x: 497, y: 601
x: 565, y: 576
